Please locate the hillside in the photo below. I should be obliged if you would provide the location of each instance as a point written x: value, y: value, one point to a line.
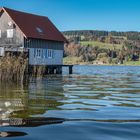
x: 101, y: 44
x: 93, y: 34
x: 102, y: 47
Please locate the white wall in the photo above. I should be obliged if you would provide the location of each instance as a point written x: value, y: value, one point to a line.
x: 57, y: 58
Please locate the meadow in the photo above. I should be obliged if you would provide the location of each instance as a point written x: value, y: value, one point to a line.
x: 101, y: 45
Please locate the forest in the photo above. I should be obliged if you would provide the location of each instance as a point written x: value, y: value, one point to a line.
x: 102, y: 47
x: 95, y: 34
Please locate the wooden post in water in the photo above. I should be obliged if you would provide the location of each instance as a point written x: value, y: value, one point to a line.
x: 60, y: 69
x: 49, y: 69
x: 70, y: 69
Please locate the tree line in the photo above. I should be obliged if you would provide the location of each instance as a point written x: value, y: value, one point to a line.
x: 131, y: 35
x: 129, y: 52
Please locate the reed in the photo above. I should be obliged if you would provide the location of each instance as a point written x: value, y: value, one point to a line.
x: 38, y: 71
x: 13, y: 68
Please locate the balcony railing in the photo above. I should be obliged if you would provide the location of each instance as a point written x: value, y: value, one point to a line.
x: 13, y: 48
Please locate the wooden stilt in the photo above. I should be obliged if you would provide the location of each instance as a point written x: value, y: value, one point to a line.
x: 70, y: 69
x: 49, y: 69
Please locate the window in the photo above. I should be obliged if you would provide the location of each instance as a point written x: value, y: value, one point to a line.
x: 43, y: 53
x: 9, y: 23
x: 1, y: 51
x: 34, y: 53
x: 50, y: 53
x: 46, y: 53
x: 10, y: 33
x: 39, y: 29
x: 38, y: 53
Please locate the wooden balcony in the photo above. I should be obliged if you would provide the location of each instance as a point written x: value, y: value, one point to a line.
x: 15, y: 49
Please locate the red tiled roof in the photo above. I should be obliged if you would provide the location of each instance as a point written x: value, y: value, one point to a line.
x: 35, y: 26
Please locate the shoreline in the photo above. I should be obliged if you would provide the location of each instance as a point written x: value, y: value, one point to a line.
x: 76, y: 61
x: 86, y: 64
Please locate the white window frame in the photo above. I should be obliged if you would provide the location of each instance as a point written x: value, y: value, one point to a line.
x: 2, y: 51
x: 38, y: 53
x: 10, y: 33
x: 39, y: 29
x: 34, y: 53
x: 50, y: 53
x: 10, y: 23
x: 41, y: 53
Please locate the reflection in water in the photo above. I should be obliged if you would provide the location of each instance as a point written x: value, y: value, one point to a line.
x: 35, y: 122
x: 30, y: 122
x: 32, y: 100
x: 95, y: 95
x: 12, y: 134
x: 101, y: 96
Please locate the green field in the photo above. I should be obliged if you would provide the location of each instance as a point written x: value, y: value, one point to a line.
x: 132, y: 63
x: 76, y: 60
x: 71, y: 60
x: 101, y: 45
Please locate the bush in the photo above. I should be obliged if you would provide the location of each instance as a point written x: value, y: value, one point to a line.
x: 102, y: 55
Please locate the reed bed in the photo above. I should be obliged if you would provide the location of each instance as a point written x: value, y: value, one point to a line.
x: 13, y: 68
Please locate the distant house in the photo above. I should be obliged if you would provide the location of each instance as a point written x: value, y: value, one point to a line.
x: 35, y: 34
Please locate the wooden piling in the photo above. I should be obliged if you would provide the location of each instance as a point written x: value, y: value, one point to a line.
x: 70, y: 69
x: 49, y: 69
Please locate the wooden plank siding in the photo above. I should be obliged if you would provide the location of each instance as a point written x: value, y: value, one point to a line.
x: 38, y: 43
x: 17, y: 39
x: 43, y: 46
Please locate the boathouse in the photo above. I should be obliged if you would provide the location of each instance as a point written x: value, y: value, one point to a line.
x: 37, y: 35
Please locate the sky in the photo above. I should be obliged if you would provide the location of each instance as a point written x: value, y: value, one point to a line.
x: 111, y: 15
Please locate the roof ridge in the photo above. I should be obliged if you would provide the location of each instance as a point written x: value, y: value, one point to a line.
x: 23, y: 12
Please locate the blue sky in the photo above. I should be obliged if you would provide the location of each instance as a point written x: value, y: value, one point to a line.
x: 120, y: 15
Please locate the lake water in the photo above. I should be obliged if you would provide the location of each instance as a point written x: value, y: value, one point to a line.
x: 95, y: 103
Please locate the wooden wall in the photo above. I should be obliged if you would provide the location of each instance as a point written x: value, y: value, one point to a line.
x: 17, y: 39
x: 43, y: 46
x: 38, y: 43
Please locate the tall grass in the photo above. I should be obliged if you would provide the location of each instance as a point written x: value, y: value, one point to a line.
x: 13, y: 68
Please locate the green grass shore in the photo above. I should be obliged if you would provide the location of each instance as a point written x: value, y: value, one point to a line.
x: 132, y: 63
x: 77, y: 61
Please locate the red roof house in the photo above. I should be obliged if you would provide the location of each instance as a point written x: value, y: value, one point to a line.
x: 35, y: 33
